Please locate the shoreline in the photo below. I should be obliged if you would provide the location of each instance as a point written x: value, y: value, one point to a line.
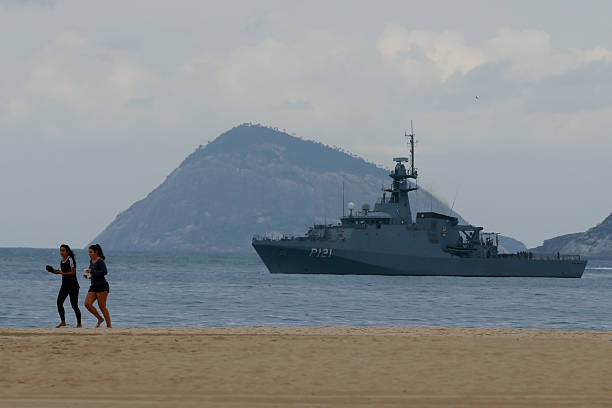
x: 311, y: 330
x: 324, y: 366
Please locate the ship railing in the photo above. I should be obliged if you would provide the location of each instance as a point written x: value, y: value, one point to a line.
x: 540, y: 257
x: 269, y: 237
x: 277, y: 237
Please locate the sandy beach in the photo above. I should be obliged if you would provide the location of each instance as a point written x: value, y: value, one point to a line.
x: 304, y: 367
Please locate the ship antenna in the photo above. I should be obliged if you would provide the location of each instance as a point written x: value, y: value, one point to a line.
x: 450, y: 212
x: 324, y: 212
x: 412, y: 169
x: 342, y: 198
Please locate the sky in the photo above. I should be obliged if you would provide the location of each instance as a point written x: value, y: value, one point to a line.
x: 100, y: 101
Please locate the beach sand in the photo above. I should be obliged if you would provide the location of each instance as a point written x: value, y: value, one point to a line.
x: 304, y: 367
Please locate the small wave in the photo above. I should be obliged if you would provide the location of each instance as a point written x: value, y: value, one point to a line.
x: 600, y: 268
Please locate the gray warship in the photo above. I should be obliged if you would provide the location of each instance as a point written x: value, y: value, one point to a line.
x: 389, y: 241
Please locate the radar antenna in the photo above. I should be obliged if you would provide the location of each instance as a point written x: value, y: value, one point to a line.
x: 410, y: 137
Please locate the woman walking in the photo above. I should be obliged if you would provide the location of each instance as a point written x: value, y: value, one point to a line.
x: 70, y: 285
x: 99, y: 286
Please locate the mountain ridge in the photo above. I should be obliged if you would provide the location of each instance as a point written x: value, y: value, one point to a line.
x: 594, y: 243
x: 251, y: 180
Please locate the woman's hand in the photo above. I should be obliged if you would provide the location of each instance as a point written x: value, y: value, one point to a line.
x: 57, y: 272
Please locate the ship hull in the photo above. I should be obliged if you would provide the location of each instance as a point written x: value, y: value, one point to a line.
x: 287, y: 259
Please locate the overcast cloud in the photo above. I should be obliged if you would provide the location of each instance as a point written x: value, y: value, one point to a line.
x: 99, y: 101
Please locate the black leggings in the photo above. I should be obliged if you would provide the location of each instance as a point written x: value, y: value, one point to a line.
x: 73, y: 291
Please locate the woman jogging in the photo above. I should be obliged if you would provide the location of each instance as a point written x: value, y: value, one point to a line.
x: 70, y: 285
x: 99, y: 286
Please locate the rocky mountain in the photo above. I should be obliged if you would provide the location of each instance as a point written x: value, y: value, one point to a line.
x: 250, y: 180
x: 595, y: 243
x: 509, y: 245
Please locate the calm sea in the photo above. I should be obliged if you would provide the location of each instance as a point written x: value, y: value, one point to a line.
x: 171, y: 289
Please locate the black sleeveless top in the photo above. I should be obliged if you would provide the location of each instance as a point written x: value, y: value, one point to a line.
x: 67, y: 267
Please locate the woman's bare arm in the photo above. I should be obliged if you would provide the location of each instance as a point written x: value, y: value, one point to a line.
x: 59, y: 272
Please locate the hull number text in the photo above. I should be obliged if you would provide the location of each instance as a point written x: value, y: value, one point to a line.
x: 321, y: 252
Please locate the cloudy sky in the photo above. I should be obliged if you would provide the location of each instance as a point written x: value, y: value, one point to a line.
x: 99, y: 101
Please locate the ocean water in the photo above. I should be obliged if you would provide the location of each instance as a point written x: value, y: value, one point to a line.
x: 173, y: 289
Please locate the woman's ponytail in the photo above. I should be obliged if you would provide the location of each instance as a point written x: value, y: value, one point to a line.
x: 98, y: 250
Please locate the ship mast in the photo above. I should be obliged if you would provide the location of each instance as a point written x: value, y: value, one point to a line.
x: 398, y: 205
x: 400, y: 188
x: 411, y: 148
x: 413, y: 173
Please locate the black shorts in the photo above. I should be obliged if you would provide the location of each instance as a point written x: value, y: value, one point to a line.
x: 99, y: 287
